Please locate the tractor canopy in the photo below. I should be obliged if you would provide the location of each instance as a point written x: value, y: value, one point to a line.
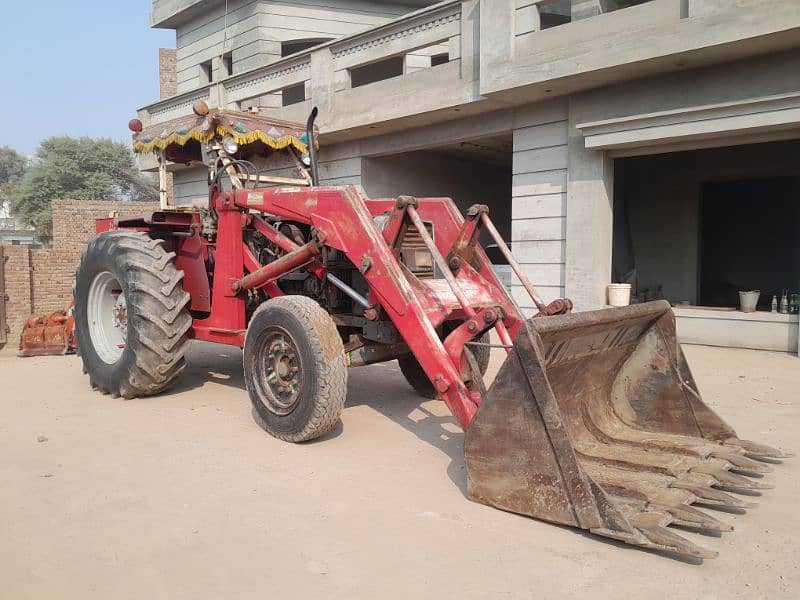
x: 181, y: 139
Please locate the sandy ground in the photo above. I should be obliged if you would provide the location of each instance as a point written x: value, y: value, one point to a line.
x: 183, y: 496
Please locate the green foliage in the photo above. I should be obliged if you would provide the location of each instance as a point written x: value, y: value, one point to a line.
x: 76, y: 169
x: 12, y: 165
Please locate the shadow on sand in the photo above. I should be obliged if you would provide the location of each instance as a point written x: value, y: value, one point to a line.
x: 380, y: 387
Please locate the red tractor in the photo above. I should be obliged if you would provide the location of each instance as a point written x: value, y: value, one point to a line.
x: 594, y: 419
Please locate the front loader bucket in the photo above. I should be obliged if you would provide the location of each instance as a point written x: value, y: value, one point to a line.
x: 594, y: 420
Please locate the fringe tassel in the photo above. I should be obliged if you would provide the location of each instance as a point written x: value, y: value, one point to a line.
x: 240, y: 138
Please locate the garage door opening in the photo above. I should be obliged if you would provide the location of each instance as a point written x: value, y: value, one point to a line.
x: 697, y: 227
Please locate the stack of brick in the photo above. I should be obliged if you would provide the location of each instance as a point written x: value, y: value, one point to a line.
x: 40, y: 281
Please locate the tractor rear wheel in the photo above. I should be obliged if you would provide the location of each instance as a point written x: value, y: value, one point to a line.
x: 295, y: 368
x: 417, y: 378
x: 131, y: 320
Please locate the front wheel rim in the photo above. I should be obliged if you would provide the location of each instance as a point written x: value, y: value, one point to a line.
x: 280, y: 371
x: 107, y: 316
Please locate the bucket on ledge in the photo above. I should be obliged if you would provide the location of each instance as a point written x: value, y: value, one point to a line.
x: 619, y: 294
x: 749, y: 300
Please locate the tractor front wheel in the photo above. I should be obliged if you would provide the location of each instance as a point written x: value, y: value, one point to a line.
x: 295, y: 368
x: 131, y: 320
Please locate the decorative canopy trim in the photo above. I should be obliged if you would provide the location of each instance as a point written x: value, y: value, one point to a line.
x: 244, y: 128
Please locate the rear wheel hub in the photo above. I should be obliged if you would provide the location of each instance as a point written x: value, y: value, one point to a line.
x: 107, y: 314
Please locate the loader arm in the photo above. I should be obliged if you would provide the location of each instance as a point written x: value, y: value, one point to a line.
x: 344, y: 220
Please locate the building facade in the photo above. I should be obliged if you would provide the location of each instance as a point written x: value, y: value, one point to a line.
x: 650, y: 141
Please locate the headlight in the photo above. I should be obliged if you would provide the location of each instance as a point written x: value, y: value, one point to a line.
x: 306, y: 160
x: 229, y: 145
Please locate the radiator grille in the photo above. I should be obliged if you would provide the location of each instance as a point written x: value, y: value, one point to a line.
x: 415, y: 255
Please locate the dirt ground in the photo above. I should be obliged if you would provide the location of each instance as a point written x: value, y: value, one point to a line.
x: 183, y: 496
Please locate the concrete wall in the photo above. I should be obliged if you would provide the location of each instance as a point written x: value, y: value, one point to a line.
x: 734, y: 329
x: 428, y: 173
x: 204, y: 38
x: 539, y: 199
x: 256, y: 28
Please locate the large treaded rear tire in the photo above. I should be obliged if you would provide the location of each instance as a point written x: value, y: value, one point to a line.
x: 417, y: 378
x: 157, y: 318
x: 295, y: 333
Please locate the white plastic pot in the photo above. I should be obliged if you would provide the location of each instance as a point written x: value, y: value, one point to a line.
x: 619, y: 294
x: 748, y: 300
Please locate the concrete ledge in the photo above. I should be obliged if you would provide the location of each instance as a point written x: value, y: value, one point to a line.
x: 734, y: 329
x: 769, y: 113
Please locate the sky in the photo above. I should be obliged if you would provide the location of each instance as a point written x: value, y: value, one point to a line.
x: 75, y: 67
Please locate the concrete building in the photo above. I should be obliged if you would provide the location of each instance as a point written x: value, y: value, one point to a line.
x: 652, y: 141
x: 14, y: 234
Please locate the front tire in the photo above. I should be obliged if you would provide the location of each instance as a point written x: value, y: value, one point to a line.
x: 131, y: 320
x: 295, y: 369
x: 417, y: 379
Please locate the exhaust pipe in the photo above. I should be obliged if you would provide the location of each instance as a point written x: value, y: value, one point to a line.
x: 312, y: 150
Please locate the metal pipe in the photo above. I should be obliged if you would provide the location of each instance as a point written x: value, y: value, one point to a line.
x: 347, y: 289
x: 440, y: 261
x: 273, y: 235
x: 312, y: 151
x: 502, y: 332
x: 526, y: 283
x: 278, y: 268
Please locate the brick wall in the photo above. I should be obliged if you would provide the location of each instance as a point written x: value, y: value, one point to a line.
x: 40, y: 281
x: 18, y: 290
x: 168, y: 85
x: 168, y: 72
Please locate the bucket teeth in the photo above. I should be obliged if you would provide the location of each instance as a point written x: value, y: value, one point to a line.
x: 687, y: 516
x: 756, y: 450
x: 743, y: 464
x: 731, y: 480
x: 661, y: 538
x: 708, y: 495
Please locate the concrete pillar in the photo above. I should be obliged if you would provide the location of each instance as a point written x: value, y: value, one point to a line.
x: 415, y: 62
x: 468, y: 41
x: 590, y: 208
x: 321, y: 84
x: 496, y: 36
x: 538, y: 203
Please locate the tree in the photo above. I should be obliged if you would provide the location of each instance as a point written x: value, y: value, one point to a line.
x: 77, y: 169
x: 12, y: 166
